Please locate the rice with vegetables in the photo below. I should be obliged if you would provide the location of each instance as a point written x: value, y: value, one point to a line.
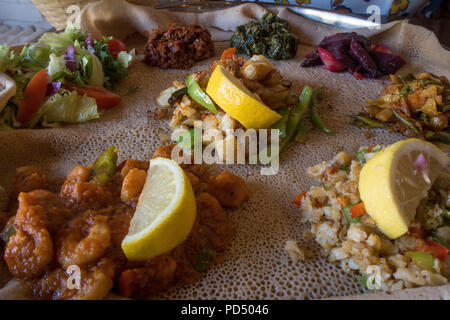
x: 351, y: 238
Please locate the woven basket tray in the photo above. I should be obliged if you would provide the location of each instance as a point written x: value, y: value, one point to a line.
x: 56, y: 10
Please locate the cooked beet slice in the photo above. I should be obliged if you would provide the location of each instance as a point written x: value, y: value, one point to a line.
x: 345, y: 37
x: 312, y: 60
x: 363, y: 57
x: 330, y: 62
x: 388, y: 63
x: 356, y: 54
x: 380, y: 48
x: 340, y: 51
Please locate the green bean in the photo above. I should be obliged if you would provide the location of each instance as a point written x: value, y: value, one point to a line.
x: 187, y: 142
x: 297, y: 113
x: 320, y: 92
x: 369, y: 123
x: 406, y: 90
x: 443, y: 136
x: 200, y: 96
x: 407, y: 123
x: 282, y: 123
x: 301, y: 133
x: 315, y: 117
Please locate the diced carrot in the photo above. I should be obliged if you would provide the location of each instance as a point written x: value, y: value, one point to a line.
x: 357, y: 210
x: 126, y: 282
x: 299, y: 199
x: 343, y: 202
x: 213, y: 66
x: 433, y: 248
x: 228, y: 54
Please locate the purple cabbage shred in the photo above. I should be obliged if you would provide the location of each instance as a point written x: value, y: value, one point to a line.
x: 69, y: 57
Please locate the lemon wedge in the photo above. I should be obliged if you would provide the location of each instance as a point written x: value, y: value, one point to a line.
x: 391, y: 184
x: 239, y: 102
x: 165, y: 212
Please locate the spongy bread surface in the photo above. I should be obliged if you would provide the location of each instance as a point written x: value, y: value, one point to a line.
x: 255, y: 266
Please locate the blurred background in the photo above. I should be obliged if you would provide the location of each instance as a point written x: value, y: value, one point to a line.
x: 23, y: 21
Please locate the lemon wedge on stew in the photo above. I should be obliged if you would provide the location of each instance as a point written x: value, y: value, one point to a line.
x: 396, y: 179
x: 165, y: 212
x: 239, y: 102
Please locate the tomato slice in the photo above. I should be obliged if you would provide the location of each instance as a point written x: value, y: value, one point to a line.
x: 434, y: 248
x: 115, y: 47
x: 33, y: 96
x: 105, y: 99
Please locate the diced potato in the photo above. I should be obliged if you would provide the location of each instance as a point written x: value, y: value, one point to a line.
x: 226, y: 122
x: 178, y: 85
x: 210, y: 122
x: 384, y: 115
x: 257, y: 68
x: 226, y: 148
x: 273, y: 78
x: 164, y: 96
x: 430, y: 107
x: 273, y: 95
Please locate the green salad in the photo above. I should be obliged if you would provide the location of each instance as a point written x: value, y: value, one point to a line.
x: 63, y: 78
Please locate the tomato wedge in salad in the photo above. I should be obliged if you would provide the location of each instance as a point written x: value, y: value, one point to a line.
x: 105, y: 99
x: 33, y: 96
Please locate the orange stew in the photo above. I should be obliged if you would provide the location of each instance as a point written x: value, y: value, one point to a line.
x: 78, y: 222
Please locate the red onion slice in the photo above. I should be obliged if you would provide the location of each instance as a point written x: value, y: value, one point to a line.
x: 422, y: 165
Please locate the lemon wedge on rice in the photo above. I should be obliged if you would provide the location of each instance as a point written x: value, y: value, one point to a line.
x: 396, y: 179
x: 165, y: 212
x: 239, y: 102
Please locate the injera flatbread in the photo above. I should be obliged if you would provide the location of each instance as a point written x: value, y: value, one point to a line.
x: 256, y: 266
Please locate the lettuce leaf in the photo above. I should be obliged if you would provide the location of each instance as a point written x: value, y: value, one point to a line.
x: 58, y: 42
x: 114, y: 69
x: 8, y: 59
x: 70, y: 108
x: 96, y: 71
x: 56, y: 64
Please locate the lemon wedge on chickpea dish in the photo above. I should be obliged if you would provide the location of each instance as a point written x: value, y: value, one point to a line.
x: 238, y: 101
x: 396, y: 180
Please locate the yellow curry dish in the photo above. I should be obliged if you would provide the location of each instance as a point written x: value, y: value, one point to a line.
x: 137, y: 228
